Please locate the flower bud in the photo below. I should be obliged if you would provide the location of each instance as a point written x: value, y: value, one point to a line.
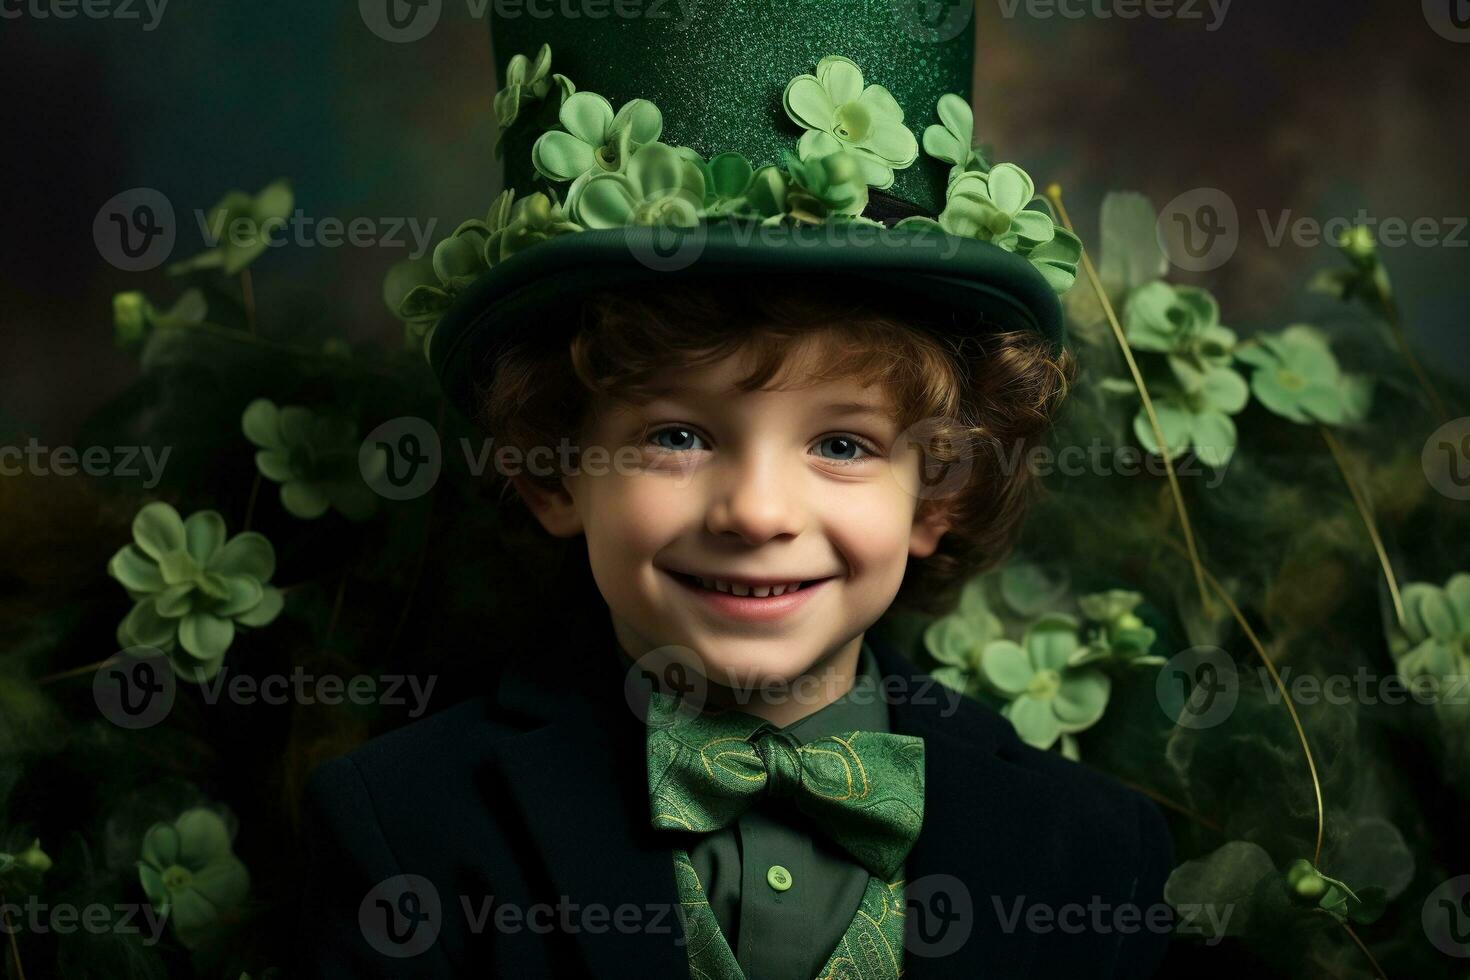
x: 129, y: 317
x: 34, y: 858
x: 536, y: 208
x: 1304, y: 880
x: 1358, y: 244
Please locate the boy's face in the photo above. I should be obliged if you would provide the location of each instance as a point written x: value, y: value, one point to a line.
x: 753, y: 490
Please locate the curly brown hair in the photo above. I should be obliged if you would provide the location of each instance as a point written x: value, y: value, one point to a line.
x: 976, y: 401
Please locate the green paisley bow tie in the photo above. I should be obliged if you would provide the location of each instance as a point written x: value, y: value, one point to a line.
x: 865, y: 790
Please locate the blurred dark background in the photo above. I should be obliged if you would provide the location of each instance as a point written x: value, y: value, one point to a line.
x: 1313, y: 107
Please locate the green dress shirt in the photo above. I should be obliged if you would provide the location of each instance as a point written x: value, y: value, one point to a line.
x: 781, y: 891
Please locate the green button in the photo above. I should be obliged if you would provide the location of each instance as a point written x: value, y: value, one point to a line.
x: 778, y: 877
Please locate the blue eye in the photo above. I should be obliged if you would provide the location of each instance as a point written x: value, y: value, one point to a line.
x: 845, y: 449
x: 675, y: 439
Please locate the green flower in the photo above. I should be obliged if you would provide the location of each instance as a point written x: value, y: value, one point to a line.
x: 595, y: 142
x: 1180, y: 321
x: 420, y: 293
x: 1195, y: 406
x: 1437, y: 625
x: 189, y: 872
x: 832, y: 184
x: 313, y: 457
x: 242, y: 226
x: 662, y: 186
x: 1195, y: 414
x: 957, y: 641
x: 993, y: 207
x: 839, y: 113
x: 133, y: 316
x: 1057, y: 260
x: 1297, y: 377
x: 1119, y: 635
x: 528, y: 83
x: 1048, y: 698
x: 727, y: 180
x: 192, y: 587
x: 23, y: 871
x: 953, y: 138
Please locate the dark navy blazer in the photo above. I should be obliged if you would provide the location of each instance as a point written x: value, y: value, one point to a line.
x: 525, y: 818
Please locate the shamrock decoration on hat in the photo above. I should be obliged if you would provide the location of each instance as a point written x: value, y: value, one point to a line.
x: 735, y: 148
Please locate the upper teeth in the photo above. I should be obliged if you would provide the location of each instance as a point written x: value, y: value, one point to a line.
x: 759, y: 591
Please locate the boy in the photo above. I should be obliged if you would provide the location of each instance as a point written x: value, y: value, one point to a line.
x: 713, y: 770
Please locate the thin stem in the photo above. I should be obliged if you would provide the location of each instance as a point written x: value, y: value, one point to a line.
x: 1055, y: 193
x: 247, y: 296
x: 1360, y: 500
x: 1296, y: 721
x: 250, y: 505
x: 20, y: 970
x: 1376, y: 968
x: 75, y: 671
x: 1396, y: 327
x: 1163, y: 800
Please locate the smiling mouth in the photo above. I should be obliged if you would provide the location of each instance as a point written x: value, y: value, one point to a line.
x: 733, y: 587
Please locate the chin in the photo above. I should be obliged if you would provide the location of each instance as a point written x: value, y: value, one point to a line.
x: 746, y: 665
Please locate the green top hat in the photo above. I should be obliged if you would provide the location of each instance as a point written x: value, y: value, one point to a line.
x: 655, y: 141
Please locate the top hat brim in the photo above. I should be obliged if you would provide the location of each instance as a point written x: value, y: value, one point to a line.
x: 950, y: 284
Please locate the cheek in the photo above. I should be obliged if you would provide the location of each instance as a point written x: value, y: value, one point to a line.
x: 871, y: 527
x: 630, y: 517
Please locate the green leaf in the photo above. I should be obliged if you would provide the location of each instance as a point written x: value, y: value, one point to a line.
x: 205, y: 635
x: 1129, y: 244
x: 1006, y: 667
x: 158, y: 530
x: 247, y: 553
x: 1224, y: 879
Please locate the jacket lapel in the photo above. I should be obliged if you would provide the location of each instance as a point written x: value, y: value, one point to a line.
x: 580, y: 781
x: 976, y: 859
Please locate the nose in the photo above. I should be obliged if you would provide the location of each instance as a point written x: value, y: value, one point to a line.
x: 756, y: 499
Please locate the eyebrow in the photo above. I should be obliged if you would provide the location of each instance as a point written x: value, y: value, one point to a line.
x: 674, y: 391
x: 859, y: 408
